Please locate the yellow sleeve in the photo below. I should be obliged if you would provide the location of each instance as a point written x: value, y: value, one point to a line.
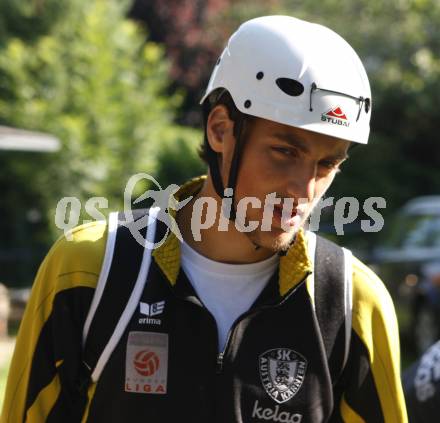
x: 68, y: 274
x: 373, y: 391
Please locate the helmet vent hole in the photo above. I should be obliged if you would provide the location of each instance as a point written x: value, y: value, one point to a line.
x: 290, y: 86
x: 367, y: 105
x: 260, y: 75
x: 218, y: 61
x: 247, y: 104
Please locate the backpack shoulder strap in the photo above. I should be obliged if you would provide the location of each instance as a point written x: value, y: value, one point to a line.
x: 332, y: 282
x: 120, y: 285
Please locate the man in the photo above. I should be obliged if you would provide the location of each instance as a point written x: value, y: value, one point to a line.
x: 236, y: 323
x: 421, y: 383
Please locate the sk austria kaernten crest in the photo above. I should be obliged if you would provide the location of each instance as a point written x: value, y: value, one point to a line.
x: 282, y: 372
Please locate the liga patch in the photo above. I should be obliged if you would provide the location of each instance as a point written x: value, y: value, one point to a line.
x: 146, y: 363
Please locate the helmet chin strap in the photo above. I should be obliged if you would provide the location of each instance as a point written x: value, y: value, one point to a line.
x: 239, y: 123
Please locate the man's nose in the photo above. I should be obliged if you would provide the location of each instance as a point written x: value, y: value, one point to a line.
x: 301, y: 183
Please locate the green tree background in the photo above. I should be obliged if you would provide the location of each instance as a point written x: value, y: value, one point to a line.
x: 92, y: 74
x: 88, y: 76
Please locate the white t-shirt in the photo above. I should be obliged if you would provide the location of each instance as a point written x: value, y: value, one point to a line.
x: 226, y: 290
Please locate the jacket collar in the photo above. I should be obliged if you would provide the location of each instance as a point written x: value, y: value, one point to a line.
x: 295, y: 265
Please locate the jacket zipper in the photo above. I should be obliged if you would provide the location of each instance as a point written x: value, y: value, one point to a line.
x: 221, y: 354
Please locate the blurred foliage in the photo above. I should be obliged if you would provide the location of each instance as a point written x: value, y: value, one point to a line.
x: 192, y: 41
x: 29, y: 19
x: 178, y: 159
x: 93, y: 82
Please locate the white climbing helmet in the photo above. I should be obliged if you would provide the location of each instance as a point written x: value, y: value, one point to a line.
x: 297, y: 73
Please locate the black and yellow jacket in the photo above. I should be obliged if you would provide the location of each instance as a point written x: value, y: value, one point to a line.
x: 165, y: 367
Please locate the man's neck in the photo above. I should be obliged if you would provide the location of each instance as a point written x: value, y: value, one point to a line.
x: 230, y: 246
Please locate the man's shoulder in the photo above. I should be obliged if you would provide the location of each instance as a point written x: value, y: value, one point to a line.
x: 367, y: 286
x: 374, y: 315
x: 76, y: 257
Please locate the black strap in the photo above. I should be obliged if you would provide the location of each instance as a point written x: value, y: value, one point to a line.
x: 330, y: 302
x: 126, y: 261
x: 212, y: 157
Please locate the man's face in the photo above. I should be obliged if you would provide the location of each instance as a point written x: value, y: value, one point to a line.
x: 290, y: 162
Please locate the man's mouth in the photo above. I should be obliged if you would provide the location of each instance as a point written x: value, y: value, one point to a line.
x: 287, y: 218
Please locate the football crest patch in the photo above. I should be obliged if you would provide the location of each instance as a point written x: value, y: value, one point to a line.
x: 282, y: 373
x: 146, y: 363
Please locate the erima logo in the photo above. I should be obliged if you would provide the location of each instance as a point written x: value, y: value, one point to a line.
x: 151, y: 310
x: 335, y: 116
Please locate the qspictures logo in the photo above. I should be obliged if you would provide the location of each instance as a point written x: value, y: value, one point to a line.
x: 289, y: 213
x: 335, y: 116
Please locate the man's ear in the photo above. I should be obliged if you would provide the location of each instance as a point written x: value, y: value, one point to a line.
x: 218, y: 127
